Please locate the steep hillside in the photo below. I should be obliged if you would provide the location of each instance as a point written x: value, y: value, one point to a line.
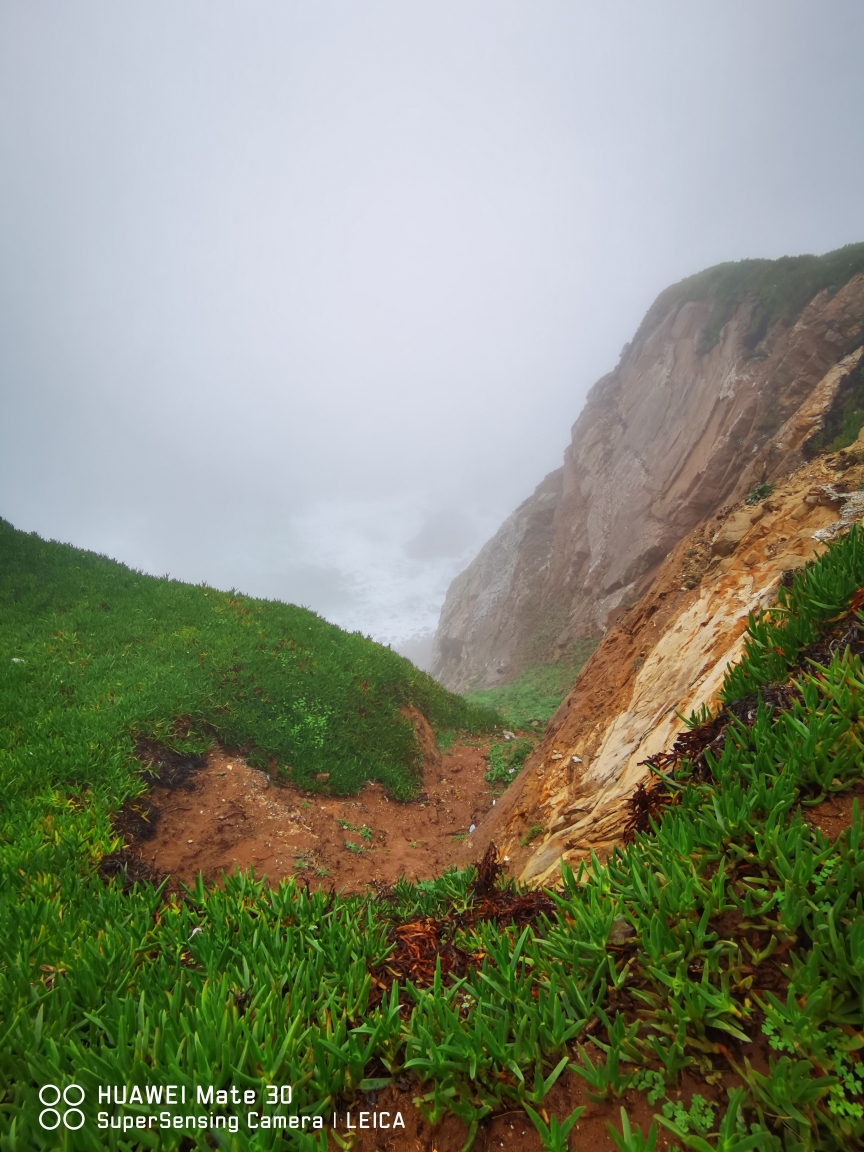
x: 714, y: 396
x: 97, y: 657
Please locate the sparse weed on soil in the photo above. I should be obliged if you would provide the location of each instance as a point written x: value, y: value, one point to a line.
x: 844, y: 419
x: 759, y: 493
x: 531, y: 835
x: 505, y: 761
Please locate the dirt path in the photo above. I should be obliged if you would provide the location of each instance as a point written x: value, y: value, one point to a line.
x: 229, y: 815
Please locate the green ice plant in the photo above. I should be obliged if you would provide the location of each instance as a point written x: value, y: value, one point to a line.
x: 776, y: 636
x: 553, y: 1136
x: 789, y: 1092
x: 603, y: 1077
x: 628, y: 1140
x: 266, y: 986
x: 542, y: 1083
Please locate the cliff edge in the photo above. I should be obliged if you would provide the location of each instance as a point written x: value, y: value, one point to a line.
x: 714, y: 396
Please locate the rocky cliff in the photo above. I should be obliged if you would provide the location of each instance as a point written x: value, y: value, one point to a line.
x: 722, y: 385
x: 666, y: 657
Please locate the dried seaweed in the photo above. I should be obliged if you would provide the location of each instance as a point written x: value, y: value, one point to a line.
x: 136, y: 820
x: 690, y: 746
x: 488, y: 870
x: 418, y: 945
x: 646, y: 804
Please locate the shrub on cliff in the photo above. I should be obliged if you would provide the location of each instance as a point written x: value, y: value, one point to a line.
x: 781, y: 288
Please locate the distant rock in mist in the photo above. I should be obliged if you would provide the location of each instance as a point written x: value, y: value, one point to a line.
x: 418, y: 649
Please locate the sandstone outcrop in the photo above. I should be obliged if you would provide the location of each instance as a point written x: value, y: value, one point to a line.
x: 664, y: 658
x: 672, y: 436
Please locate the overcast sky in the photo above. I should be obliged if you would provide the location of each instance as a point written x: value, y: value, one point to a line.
x: 303, y: 297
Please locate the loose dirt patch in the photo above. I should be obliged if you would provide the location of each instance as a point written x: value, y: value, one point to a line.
x: 834, y: 815
x: 227, y: 815
x: 513, y: 1130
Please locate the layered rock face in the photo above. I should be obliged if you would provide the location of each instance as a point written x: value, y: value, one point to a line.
x: 673, y: 435
x: 665, y: 657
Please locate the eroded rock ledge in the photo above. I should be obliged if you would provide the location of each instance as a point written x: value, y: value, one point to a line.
x: 667, y: 655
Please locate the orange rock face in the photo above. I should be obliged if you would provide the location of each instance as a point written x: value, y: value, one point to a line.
x: 666, y: 656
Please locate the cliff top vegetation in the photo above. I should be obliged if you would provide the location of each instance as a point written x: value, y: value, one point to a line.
x: 782, y: 288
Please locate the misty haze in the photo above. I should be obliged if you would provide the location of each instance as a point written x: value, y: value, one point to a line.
x: 303, y: 300
x: 432, y: 575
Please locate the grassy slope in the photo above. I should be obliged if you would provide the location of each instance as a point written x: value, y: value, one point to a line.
x: 538, y: 691
x: 782, y: 289
x: 94, y: 652
x: 104, y: 986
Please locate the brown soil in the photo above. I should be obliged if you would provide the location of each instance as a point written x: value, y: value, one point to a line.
x: 513, y: 1130
x: 227, y: 815
x: 834, y: 815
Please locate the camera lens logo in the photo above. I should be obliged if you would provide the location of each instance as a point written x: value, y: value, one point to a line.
x: 71, y: 1117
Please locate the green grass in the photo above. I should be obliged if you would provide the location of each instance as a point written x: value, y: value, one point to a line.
x: 760, y: 492
x: 255, y: 988
x: 844, y: 419
x: 104, y: 652
x: 782, y: 288
x: 364, y: 830
x: 538, y: 691
x: 505, y: 761
x: 445, y: 738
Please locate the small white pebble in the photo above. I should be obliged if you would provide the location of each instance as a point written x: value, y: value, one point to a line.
x: 188, y: 841
x: 471, y: 829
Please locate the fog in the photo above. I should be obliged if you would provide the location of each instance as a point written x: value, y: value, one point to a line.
x: 303, y: 299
